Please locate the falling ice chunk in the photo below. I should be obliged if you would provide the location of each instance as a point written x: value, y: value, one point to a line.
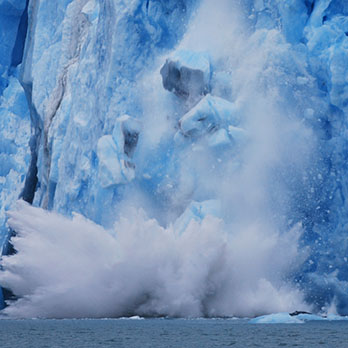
x: 197, y: 211
x: 187, y: 74
x: 219, y: 138
x: 238, y: 135
x: 210, y: 114
x: 115, y: 152
x: 126, y: 134
x: 110, y: 172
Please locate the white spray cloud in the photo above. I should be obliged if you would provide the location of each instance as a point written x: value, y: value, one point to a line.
x: 74, y: 268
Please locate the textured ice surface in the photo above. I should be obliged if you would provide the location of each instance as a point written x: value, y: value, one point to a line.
x: 14, y: 150
x: 208, y: 115
x: 196, y: 211
x: 236, y: 109
x: 15, y: 125
x: 12, y: 30
x: 115, y: 152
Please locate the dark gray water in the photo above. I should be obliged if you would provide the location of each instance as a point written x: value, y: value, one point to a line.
x: 168, y: 333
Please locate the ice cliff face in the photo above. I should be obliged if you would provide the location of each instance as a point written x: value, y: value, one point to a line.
x: 80, y: 48
x: 185, y: 109
x: 15, y: 122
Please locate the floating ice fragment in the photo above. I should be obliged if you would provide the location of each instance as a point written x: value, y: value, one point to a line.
x: 276, y: 318
x: 293, y: 318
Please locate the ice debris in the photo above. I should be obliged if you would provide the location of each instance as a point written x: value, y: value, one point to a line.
x: 210, y: 114
x: 187, y: 74
x: 276, y: 318
x: 115, y: 152
x: 291, y: 318
x: 197, y: 211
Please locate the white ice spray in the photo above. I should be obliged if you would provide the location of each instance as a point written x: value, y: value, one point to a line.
x: 74, y: 268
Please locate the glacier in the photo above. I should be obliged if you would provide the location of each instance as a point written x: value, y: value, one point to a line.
x: 173, y: 158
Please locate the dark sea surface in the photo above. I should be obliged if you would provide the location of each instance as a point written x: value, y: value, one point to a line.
x: 181, y: 333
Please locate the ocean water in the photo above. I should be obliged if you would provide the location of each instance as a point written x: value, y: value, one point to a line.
x: 169, y: 333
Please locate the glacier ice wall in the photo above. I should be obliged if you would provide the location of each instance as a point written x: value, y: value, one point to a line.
x: 184, y: 110
x: 15, y: 124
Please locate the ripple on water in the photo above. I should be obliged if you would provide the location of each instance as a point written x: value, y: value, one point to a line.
x: 154, y: 333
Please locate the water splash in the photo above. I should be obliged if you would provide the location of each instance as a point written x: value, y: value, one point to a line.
x: 75, y: 268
